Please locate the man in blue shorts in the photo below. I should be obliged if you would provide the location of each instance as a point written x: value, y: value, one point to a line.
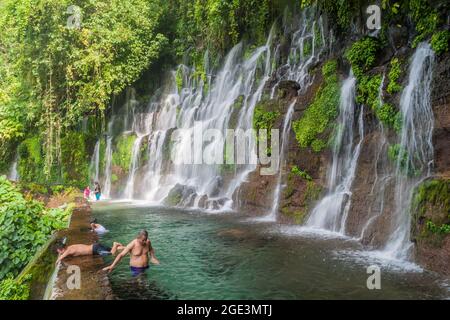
x: 141, y: 253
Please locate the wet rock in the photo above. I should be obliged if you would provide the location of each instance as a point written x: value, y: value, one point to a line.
x: 178, y: 194
x: 215, y: 186
x: 288, y: 89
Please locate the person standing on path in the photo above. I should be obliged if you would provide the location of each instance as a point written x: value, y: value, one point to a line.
x: 97, y: 190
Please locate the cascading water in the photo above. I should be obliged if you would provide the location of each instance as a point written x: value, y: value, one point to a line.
x: 297, y: 69
x: 191, y: 104
x: 108, y: 171
x: 193, y: 110
x: 414, y: 150
x: 383, y: 173
x: 13, y: 174
x: 331, y: 212
x: 285, y: 142
x: 129, y: 188
x: 94, y: 166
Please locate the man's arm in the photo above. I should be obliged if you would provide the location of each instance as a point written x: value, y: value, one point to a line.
x: 119, y: 257
x: 66, y: 253
x: 153, y: 258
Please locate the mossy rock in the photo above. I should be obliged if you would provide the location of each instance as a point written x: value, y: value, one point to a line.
x: 122, y: 153
x: 431, y: 211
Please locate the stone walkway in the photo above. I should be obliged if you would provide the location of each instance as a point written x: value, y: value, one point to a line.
x: 94, y: 282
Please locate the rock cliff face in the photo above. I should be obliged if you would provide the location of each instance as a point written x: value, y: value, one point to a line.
x: 303, y: 179
x: 372, y: 200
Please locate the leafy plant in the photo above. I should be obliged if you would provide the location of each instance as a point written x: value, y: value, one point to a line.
x: 388, y: 116
x: 320, y: 113
x: 440, y: 41
x: 362, y: 55
x: 300, y: 173
x: 425, y: 18
x: 13, y: 289
x: 26, y: 225
x: 394, y: 75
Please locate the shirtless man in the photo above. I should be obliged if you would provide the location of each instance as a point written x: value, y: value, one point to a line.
x: 139, y: 250
x: 76, y: 250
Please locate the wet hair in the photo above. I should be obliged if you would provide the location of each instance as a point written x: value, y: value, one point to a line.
x: 60, y: 245
x: 94, y: 220
x: 143, y: 233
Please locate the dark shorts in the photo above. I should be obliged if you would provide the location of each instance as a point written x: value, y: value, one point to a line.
x: 100, y: 250
x: 135, y: 271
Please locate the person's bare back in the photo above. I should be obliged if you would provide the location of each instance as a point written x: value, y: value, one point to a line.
x: 77, y: 250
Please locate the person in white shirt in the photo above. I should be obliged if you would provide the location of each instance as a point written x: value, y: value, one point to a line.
x: 97, y: 228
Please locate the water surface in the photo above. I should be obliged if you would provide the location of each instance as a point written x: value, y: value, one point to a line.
x: 211, y: 256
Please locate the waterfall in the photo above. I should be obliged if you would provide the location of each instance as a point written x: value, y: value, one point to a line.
x: 415, y: 148
x: 108, y: 156
x: 297, y: 69
x: 193, y: 104
x: 193, y: 110
x: 94, y: 166
x: 383, y: 174
x: 331, y: 212
x: 285, y: 142
x: 13, y: 173
x: 129, y: 188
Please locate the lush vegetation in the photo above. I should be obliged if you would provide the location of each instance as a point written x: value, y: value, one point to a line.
x: 393, y: 76
x: 362, y: 55
x: 26, y: 225
x: 301, y: 173
x: 121, y: 157
x: 311, y: 129
x: 440, y: 41
x: 431, y: 209
x: 53, y: 75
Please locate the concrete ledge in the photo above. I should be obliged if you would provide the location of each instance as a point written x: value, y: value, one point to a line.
x: 94, y: 282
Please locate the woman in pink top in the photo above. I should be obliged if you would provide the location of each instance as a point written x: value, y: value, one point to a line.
x: 87, y: 192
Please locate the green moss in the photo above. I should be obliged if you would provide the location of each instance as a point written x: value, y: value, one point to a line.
x: 173, y: 198
x: 75, y: 159
x: 426, y: 19
x: 431, y: 211
x: 310, y: 129
x: 440, y: 41
x: 307, y: 47
x: 393, y: 76
x: 114, y: 178
x: 362, y: 55
x: 390, y: 117
x: 398, y: 155
x: 121, y: 156
x: 31, y: 164
x: 11, y: 289
x: 265, y: 116
x: 300, y: 173
x: 298, y: 215
x: 368, y: 88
